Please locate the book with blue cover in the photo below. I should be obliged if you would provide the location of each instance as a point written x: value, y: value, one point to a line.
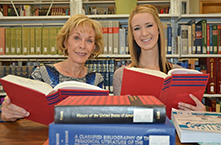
x: 109, y: 134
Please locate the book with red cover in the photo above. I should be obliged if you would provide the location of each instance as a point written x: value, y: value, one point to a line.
x: 110, y: 109
x: 169, y: 89
x: 39, y: 98
x: 211, y: 69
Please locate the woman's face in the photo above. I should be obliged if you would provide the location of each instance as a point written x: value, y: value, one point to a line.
x: 80, y: 44
x: 145, y: 31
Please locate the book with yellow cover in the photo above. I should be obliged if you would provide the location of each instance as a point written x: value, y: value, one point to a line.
x: 38, y: 40
x: 2, y: 41
x: 25, y: 40
x: 45, y: 40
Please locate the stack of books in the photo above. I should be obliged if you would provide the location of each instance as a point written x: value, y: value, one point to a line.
x: 109, y: 120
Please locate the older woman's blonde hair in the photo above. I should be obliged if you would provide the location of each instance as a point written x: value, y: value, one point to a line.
x: 135, y: 49
x: 76, y: 21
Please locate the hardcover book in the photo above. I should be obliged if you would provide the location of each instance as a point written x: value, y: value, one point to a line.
x: 32, y: 49
x: 215, y: 33
x: 13, y: 41
x: 38, y: 40
x: 193, y: 126
x: 192, y: 23
x: 211, y: 69
x: 18, y: 41
x: 109, y: 134
x: 7, y: 41
x: 169, y: 40
x: 169, y: 88
x: 110, y: 109
x: 29, y: 94
x: 218, y: 75
x: 45, y: 40
x: 184, y: 38
x: 2, y: 41
x: 219, y: 39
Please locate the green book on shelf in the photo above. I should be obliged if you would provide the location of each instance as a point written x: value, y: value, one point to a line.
x: 32, y: 49
x: 215, y: 32
x: 18, y: 40
x: 25, y: 40
x: 45, y: 40
x: 38, y: 40
x: 13, y: 41
x: 53, y: 34
x: 7, y: 41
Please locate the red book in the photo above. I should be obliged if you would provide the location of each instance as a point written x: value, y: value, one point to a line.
x: 219, y: 39
x: 218, y: 75
x: 110, y: 109
x: 39, y: 98
x: 2, y: 41
x: 169, y: 88
x: 211, y: 69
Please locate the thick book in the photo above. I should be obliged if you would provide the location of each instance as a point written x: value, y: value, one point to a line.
x: 211, y: 69
x: 192, y: 23
x: 215, y: 33
x: 169, y: 88
x: 184, y: 38
x: 193, y: 126
x: 110, y: 109
x: 39, y: 98
x: 2, y: 41
x: 218, y: 75
x: 109, y: 134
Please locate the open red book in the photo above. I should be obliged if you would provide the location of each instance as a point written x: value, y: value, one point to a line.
x: 39, y: 98
x: 169, y: 88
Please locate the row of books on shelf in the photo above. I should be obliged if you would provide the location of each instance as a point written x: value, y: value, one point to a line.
x: 104, y: 10
x: 199, y: 37
x: 104, y: 66
x: 28, y: 10
x: 212, y: 104
x: 28, y: 40
x: 42, y: 40
x: 210, y: 65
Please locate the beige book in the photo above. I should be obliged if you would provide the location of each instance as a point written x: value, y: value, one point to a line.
x: 18, y: 40
x: 13, y: 41
x: 53, y: 34
x: 32, y: 49
x: 7, y: 41
x: 38, y: 40
x: 45, y: 40
x: 25, y: 40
